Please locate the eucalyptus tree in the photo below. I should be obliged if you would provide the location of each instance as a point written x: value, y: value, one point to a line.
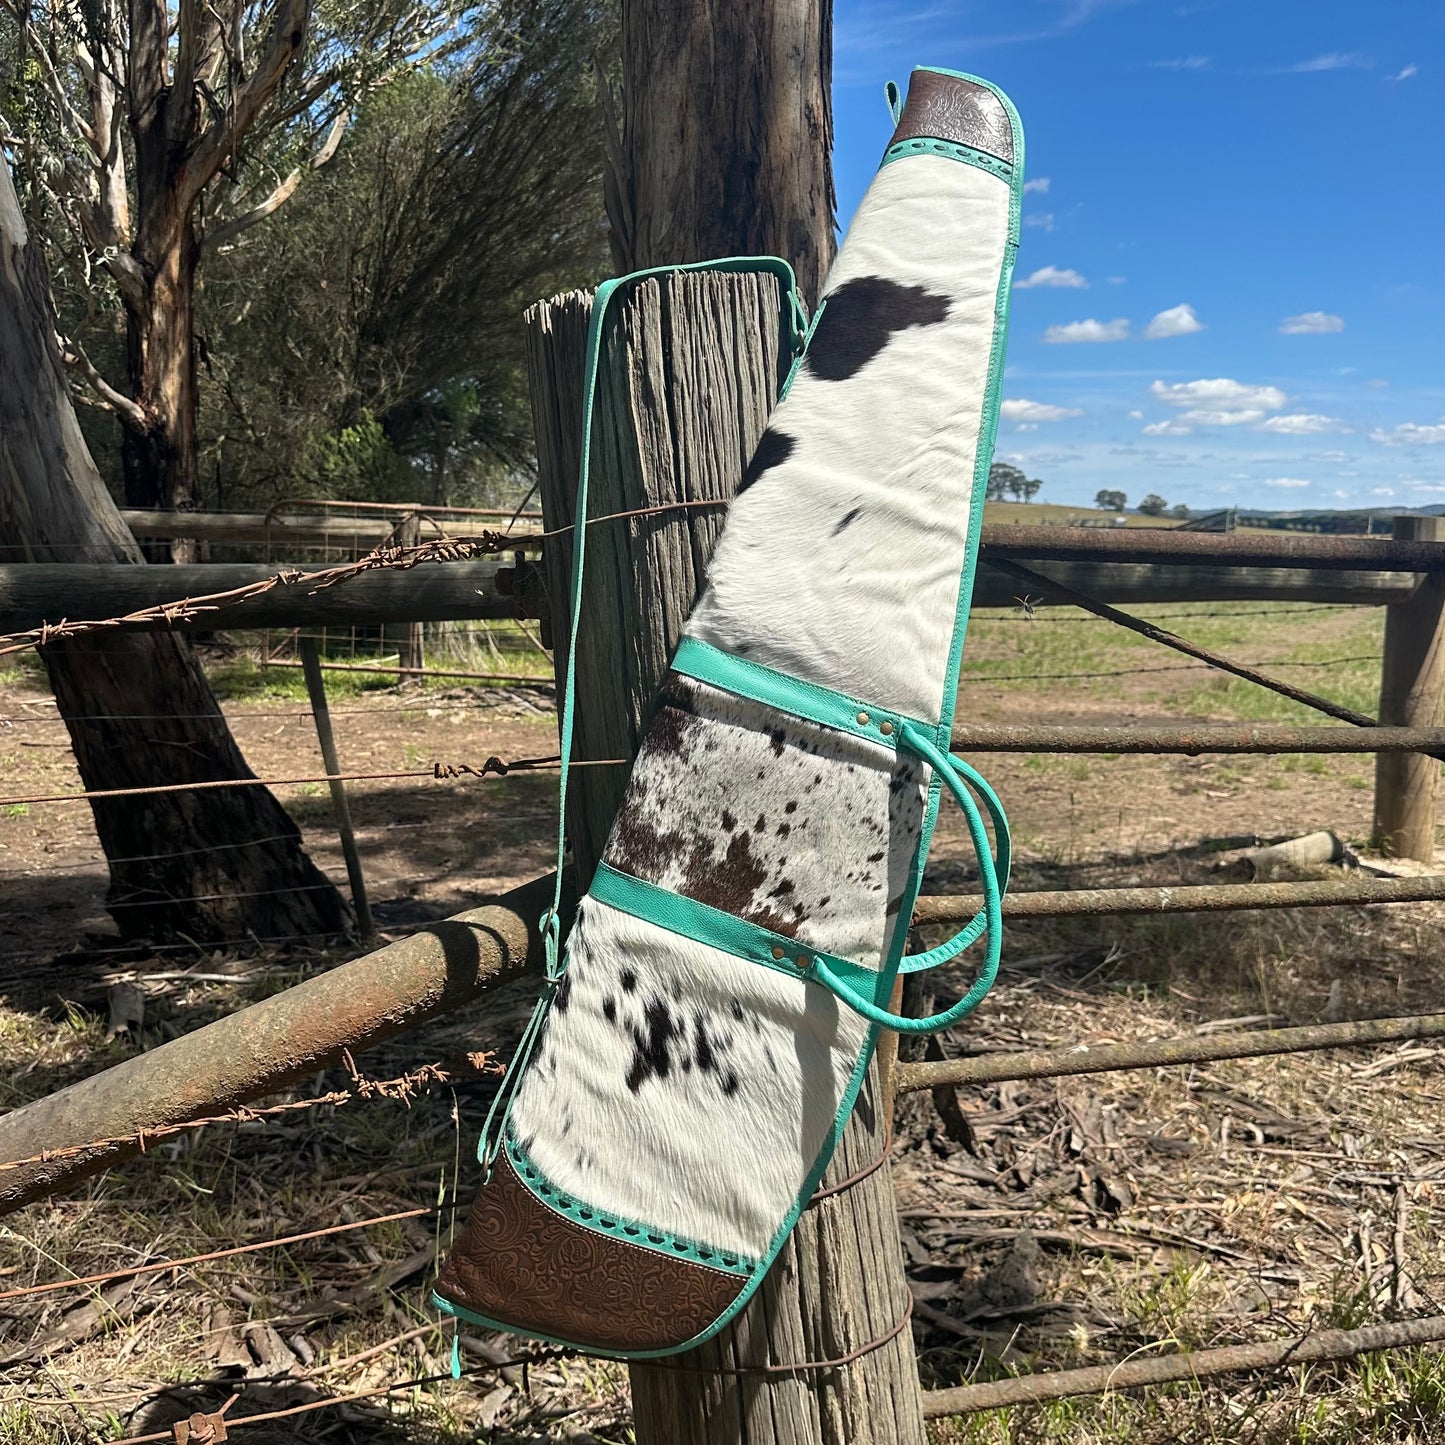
x: 151, y: 133
x: 203, y: 866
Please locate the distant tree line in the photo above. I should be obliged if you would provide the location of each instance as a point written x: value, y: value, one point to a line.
x: 1006, y: 481
x: 1153, y: 505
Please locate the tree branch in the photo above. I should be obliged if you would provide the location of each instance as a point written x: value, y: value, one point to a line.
x: 73, y: 355
x: 146, y: 60
x: 228, y: 230
x: 249, y: 97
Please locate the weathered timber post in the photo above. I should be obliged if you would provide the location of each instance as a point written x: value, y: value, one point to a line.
x: 726, y: 135
x: 340, y: 805
x: 691, y: 368
x: 1412, y: 693
x: 408, y: 634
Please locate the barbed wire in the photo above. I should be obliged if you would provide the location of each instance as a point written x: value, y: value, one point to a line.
x: 1140, y: 671
x: 403, y: 1087
x: 394, y: 558
x: 543, y: 1355
x: 544, y: 684
x: 1282, y: 609
x: 248, y: 940
x: 439, y: 772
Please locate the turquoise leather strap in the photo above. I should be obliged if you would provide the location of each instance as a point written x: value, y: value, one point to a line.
x: 794, y: 339
x: 854, y: 985
x: 821, y: 705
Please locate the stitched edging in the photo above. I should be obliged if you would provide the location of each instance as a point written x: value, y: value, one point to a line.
x: 951, y: 149
x: 625, y: 1231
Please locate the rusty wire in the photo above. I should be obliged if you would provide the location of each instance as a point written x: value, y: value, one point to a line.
x: 234, y: 1422
x: 397, y: 558
x: 404, y: 1087
x: 1169, y: 639
x: 160, y: 1266
x: 494, y: 767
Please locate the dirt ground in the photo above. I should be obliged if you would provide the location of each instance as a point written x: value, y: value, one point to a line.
x: 1049, y: 1224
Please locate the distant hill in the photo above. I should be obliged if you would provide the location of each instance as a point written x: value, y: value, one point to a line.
x: 1331, y: 519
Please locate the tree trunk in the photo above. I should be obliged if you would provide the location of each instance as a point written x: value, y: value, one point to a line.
x: 692, y: 365
x: 727, y: 131
x: 210, y: 866
x: 158, y: 450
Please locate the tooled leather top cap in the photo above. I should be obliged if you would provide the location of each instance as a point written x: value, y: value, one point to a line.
x: 947, y: 108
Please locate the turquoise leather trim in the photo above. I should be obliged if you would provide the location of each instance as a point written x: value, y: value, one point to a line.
x: 745, y: 1295
x: 951, y: 149
x: 795, y: 334
x: 988, y: 423
x: 806, y: 700
x: 628, y: 1230
x: 884, y: 979
x: 702, y: 923
x: 988, y: 429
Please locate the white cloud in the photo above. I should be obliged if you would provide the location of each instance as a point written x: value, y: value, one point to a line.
x: 1185, y: 62
x: 1227, y: 416
x: 1409, y: 434
x: 1406, y: 73
x: 1038, y: 186
x: 1052, y: 276
x: 1302, y: 423
x: 1219, y: 391
x: 1286, y: 482
x: 1042, y: 219
x: 1020, y: 408
x: 1334, y: 60
x: 1116, y: 280
x: 1176, y: 321
x: 1089, y: 330
x: 1166, y: 429
x: 1382, y: 492
x: 1311, y: 323
x: 1136, y: 416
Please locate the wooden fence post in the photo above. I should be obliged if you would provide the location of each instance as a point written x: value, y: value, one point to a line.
x: 1412, y: 692
x: 692, y: 366
x: 408, y: 634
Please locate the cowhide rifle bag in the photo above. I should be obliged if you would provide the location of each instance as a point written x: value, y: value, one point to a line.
x: 699, y: 1045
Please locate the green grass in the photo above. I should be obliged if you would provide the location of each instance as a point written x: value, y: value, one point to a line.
x: 1065, y: 648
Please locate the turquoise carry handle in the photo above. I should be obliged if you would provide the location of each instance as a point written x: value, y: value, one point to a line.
x: 1002, y: 863
x: 956, y: 776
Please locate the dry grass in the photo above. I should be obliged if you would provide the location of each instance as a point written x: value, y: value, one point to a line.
x: 1081, y: 1221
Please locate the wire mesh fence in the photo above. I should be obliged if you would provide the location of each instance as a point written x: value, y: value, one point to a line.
x: 345, y: 557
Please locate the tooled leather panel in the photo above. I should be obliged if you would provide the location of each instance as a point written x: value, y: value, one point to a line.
x: 522, y: 1264
x: 947, y: 108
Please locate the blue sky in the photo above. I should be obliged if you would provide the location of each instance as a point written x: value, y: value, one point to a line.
x: 1231, y: 285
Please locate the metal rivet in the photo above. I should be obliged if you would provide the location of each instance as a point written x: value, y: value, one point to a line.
x: 885, y: 728
x: 862, y: 719
x: 803, y: 961
x: 779, y: 950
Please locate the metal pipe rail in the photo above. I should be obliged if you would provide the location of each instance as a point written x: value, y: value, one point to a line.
x: 1194, y: 898
x: 1145, y: 544
x: 1186, y: 1365
x: 1163, y: 1053
x: 1191, y: 741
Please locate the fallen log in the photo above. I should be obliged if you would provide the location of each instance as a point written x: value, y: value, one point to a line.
x: 90, y: 1126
